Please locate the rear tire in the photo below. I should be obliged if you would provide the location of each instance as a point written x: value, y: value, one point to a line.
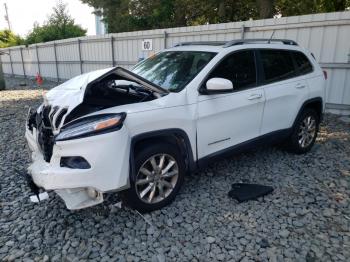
x: 159, y: 174
x: 304, y: 132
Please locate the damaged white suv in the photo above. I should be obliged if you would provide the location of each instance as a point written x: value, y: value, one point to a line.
x: 139, y: 132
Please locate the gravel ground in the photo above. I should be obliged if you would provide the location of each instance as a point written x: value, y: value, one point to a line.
x: 306, y: 218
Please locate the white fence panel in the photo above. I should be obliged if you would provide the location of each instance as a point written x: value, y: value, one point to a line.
x: 6, y: 62
x: 67, y: 52
x: 67, y: 55
x: 96, y: 50
x: 30, y: 61
x: 46, y: 53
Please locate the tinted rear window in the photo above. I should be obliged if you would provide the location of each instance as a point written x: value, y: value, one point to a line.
x: 303, y: 64
x: 278, y: 65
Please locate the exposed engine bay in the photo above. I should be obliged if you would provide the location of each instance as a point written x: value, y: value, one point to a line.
x: 115, y: 88
x: 109, y: 92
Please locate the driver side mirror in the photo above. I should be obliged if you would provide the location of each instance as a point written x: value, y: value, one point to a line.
x: 219, y: 85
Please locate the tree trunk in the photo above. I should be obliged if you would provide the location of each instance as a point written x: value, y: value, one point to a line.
x: 266, y: 8
x: 339, y: 5
x: 222, y: 12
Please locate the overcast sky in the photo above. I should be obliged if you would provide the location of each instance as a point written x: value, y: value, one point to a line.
x: 23, y: 14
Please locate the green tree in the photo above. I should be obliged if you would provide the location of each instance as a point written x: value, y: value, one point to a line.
x: 8, y: 38
x: 290, y: 7
x: 130, y: 15
x: 60, y: 25
x: 266, y: 8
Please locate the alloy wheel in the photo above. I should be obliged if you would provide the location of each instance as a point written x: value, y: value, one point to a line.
x: 157, y: 178
x: 307, y: 131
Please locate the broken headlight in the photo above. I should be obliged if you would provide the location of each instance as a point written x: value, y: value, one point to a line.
x: 91, y: 125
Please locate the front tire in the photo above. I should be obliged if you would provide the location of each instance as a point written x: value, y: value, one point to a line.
x: 304, y: 132
x: 159, y: 174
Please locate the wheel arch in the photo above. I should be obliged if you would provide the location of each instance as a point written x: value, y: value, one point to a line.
x: 175, y: 136
x: 313, y: 103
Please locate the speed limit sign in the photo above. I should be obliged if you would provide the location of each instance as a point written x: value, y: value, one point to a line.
x: 147, y: 45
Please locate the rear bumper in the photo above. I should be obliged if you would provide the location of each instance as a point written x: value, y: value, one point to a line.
x: 108, y: 156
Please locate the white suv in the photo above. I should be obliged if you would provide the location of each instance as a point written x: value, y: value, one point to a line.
x: 138, y: 132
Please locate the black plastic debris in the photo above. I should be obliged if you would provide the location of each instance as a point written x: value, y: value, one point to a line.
x: 244, y: 192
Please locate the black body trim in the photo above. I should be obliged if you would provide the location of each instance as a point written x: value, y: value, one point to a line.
x: 266, y: 139
x: 308, y: 102
x: 162, y: 133
x: 269, y: 138
x: 226, y: 44
x: 267, y: 40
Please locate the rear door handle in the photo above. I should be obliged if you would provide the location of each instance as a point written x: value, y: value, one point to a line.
x: 254, y: 96
x: 300, y: 86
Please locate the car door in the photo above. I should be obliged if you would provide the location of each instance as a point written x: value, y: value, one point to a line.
x: 285, y: 90
x: 228, y: 119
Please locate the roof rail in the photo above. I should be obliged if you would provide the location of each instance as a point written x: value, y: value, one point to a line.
x: 214, y: 43
x: 251, y: 41
x: 239, y: 42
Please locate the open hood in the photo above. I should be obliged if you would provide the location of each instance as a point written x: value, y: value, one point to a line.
x: 71, y: 93
x: 89, y: 92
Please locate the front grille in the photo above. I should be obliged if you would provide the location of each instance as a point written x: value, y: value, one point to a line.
x: 48, y: 120
x: 46, y: 141
x: 45, y: 135
x: 45, y: 115
x: 53, y: 112
x: 60, y: 116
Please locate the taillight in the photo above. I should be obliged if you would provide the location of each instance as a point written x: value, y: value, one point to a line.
x: 325, y: 74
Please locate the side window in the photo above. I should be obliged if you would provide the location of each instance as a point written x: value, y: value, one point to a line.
x: 239, y: 68
x: 303, y: 64
x: 277, y: 64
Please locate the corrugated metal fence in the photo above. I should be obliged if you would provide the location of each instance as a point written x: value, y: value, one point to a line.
x: 326, y: 35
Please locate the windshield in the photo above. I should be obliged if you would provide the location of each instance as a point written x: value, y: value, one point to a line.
x: 172, y: 70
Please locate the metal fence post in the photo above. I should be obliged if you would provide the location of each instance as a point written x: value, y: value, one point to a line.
x: 165, y: 37
x: 112, y: 51
x: 242, y: 31
x: 80, y: 61
x: 23, y: 67
x: 54, y: 51
x: 11, y: 62
x: 2, y: 78
x: 37, y: 59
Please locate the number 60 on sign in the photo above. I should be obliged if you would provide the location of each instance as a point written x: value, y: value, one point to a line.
x: 147, y: 45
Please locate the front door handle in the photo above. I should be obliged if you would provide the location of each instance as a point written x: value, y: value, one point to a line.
x: 300, y: 86
x: 254, y: 96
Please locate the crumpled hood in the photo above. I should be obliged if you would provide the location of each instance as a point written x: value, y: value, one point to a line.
x: 71, y: 93
x: 60, y: 101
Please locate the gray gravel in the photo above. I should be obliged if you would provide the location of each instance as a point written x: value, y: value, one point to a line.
x: 307, y: 218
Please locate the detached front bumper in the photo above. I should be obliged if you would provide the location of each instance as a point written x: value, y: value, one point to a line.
x: 107, y: 154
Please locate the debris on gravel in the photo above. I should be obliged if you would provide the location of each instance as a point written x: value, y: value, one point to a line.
x: 306, y: 218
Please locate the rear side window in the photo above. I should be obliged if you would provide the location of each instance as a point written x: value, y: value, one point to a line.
x: 277, y: 64
x: 302, y: 62
x: 239, y: 68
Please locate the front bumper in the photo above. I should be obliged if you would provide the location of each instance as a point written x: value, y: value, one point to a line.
x: 108, y: 155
